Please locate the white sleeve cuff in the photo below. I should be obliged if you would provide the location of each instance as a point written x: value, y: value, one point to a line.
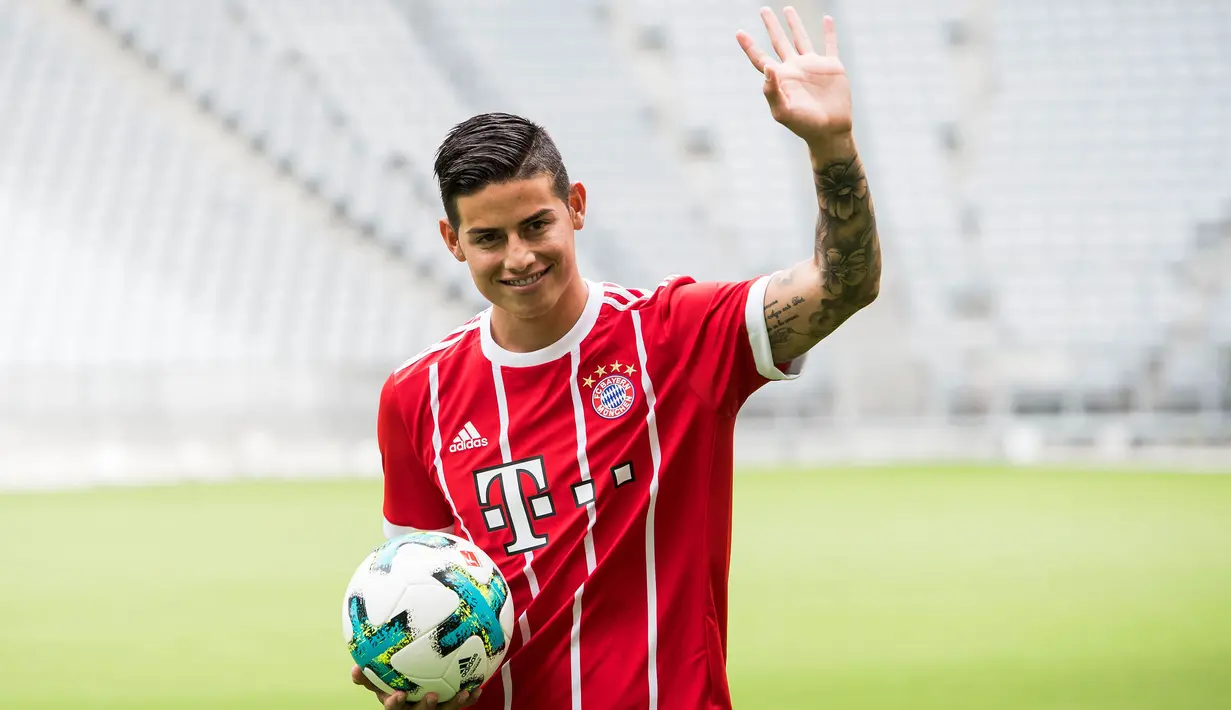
x: 758, y: 336
x: 392, y: 531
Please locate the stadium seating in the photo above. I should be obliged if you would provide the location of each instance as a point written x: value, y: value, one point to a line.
x: 231, y: 184
x: 134, y: 243
x: 1091, y: 169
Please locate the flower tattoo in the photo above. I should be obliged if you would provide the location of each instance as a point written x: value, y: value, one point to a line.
x: 842, y: 270
x: 841, y: 185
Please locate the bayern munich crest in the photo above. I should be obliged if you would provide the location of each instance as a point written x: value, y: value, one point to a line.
x: 613, y: 396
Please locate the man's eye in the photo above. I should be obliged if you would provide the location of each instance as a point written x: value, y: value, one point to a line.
x: 537, y: 225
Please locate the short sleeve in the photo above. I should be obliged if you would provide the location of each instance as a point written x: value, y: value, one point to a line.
x: 411, y: 497
x: 717, y: 332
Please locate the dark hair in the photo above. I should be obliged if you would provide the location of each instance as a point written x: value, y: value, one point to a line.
x: 493, y: 148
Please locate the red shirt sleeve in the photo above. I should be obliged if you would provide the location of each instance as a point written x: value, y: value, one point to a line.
x: 412, y: 498
x: 717, y: 332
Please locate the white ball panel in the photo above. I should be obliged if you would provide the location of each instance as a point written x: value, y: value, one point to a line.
x: 429, y: 603
x: 508, y: 618
x: 415, y: 563
x: 381, y: 592
x: 419, y: 659
x: 443, y: 690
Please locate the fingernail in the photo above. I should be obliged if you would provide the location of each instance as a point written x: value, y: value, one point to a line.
x: 463, y: 696
x: 430, y: 700
x: 477, y: 693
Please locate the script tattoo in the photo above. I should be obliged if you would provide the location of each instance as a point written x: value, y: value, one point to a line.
x: 847, y: 258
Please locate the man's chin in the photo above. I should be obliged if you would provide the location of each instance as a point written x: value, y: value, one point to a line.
x: 528, y: 306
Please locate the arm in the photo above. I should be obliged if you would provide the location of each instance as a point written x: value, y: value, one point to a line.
x: 809, y: 93
x: 412, y: 501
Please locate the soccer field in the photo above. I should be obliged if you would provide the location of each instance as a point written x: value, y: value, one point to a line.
x: 874, y: 588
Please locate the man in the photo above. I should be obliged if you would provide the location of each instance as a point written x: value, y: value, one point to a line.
x: 581, y: 433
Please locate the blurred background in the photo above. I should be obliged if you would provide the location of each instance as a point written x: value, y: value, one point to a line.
x: 218, y: 237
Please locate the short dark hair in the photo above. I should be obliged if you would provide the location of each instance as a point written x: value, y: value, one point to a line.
x: 494, y: 148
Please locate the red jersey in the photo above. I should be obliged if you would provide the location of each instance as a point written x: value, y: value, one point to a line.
x: 596, y: 472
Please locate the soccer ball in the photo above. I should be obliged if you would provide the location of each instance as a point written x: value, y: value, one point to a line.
x: 428, y: 613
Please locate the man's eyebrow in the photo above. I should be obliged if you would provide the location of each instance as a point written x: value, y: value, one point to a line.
x: 537, y: 216
x: 478, y: 231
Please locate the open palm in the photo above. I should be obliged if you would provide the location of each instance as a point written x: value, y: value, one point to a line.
x: 808, y: 92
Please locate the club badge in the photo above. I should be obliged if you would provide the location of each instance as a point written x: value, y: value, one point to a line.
x: 613, y: 396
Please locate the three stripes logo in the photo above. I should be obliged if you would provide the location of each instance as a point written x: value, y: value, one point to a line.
x: 467, y: 438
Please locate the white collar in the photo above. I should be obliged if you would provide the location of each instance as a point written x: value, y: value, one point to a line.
x: 507, y: 358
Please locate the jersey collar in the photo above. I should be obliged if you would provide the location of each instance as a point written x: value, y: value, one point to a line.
x: 506, y: 358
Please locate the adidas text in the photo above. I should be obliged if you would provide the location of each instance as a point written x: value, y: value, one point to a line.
x: 463, y: 445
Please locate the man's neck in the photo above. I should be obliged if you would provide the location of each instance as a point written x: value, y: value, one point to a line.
x: 524, y: 335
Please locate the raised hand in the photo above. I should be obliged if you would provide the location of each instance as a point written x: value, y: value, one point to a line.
x: 808, y: 92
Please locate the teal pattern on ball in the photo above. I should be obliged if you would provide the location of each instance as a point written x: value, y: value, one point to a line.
x: 477, y: 613
x: 373, y: 646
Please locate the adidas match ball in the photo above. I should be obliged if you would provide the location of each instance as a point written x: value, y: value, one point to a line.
x: 428, y: 613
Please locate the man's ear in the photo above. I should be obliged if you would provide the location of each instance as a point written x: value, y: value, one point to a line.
x: 452, y: 241
x: 577, y: 204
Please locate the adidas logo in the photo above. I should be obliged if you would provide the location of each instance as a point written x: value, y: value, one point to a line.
x: 467, y: 438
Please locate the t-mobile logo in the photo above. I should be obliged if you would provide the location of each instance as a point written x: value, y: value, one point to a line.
x: 512, y: 511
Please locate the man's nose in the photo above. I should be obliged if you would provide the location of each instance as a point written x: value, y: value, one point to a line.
x: 518, y: 257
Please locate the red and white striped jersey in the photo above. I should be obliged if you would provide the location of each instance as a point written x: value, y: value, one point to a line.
x: 596, y: 472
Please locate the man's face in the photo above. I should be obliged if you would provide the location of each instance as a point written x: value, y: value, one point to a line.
x: 517, y: 239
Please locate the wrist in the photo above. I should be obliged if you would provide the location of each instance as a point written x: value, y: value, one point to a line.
x: 824, y: 150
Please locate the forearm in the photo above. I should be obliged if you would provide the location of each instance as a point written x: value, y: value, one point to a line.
x: 846, y: 250
x: 809, y: 301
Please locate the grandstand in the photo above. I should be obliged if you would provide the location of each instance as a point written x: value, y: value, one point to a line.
x: 219, y: 222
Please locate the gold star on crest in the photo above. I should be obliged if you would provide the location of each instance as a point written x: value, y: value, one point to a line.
x: 601, y: 371
x: 615, y: 366
x: 629, y: 370
x: 589, y: 382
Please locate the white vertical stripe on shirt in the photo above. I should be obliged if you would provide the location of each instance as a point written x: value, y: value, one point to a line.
x: 651, y: 579
x: 574, y: 647
x: 433, y: 379
x: 583, y: 459
x: 583, y: 466
x: 506, y: 680
x: 506, y: 455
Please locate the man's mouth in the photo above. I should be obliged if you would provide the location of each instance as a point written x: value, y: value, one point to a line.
x: 529, y: 280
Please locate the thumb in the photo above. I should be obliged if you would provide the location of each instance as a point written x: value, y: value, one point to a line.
x: 771, y: 79
x: 773, y: 88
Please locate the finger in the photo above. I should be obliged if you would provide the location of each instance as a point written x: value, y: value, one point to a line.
x: 358, y: 678
x: 756, y: 55
x: 459, y: 701
x: 397, y: 701
x: 802, y: 43
x: 474, y: 699
x: 777, y: 35
x: 830, y: 34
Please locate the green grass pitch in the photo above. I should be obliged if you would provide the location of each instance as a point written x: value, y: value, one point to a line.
x: 945, y: 588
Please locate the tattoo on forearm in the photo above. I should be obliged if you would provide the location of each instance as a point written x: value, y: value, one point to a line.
x: 847, y: 253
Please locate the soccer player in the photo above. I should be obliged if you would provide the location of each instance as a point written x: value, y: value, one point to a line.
x: 581, y: 433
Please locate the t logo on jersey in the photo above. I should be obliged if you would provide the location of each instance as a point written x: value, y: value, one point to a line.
x: 512, y: 513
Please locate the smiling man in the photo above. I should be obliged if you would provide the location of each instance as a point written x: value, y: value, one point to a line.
x: 592, y: 425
